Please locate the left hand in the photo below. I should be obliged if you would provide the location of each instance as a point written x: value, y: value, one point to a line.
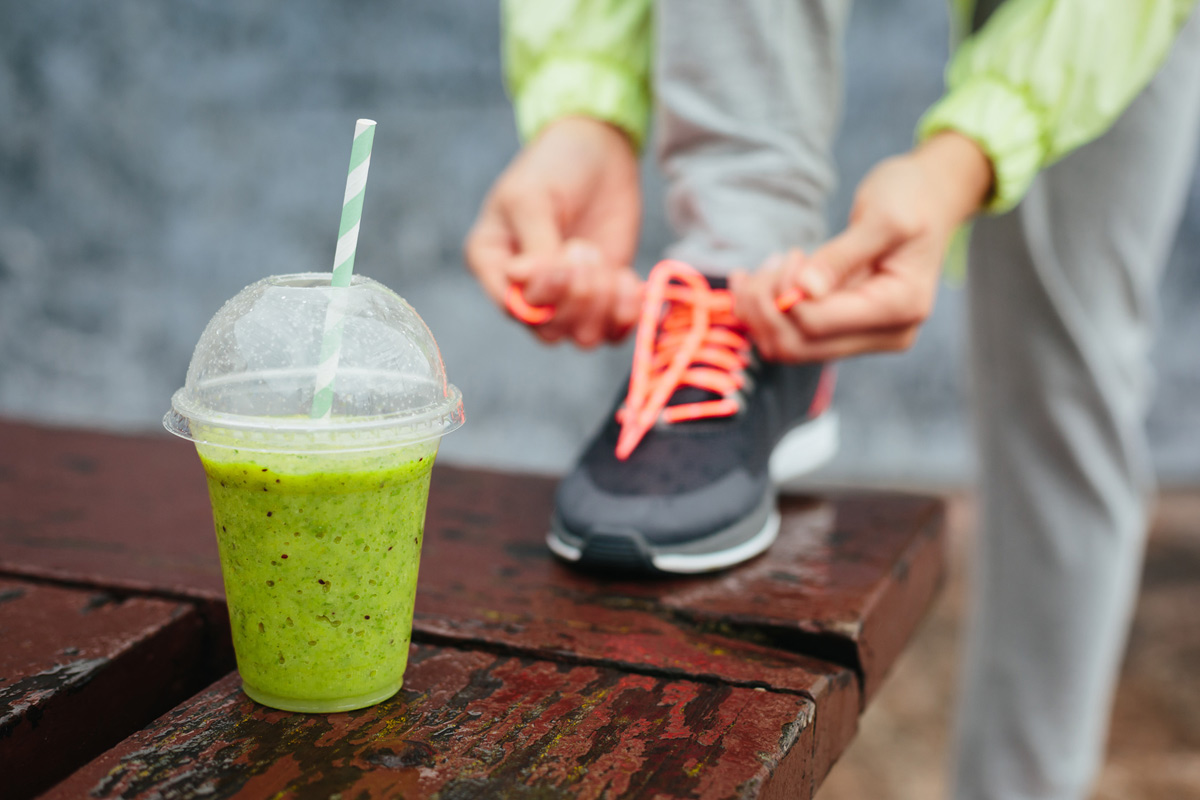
x: 870, y: 288
x: 561, y: 223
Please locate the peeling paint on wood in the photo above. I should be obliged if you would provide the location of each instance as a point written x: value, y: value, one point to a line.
x: 470, y: 724
x: 847, y: 580
x: 76, y: 678
x: 488, y: 579
x: 817, y: 621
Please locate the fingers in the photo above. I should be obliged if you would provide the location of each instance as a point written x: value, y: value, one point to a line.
x: 884, y: 301
x: 755, y: 298
x: 567, y: 286
x: 876, y: 312
x: 592, y: 300
x: 837, y: 347
x: 788, y: 289
x: 871, y: 287
x: 596, y: 292
x: 900, y: 292
x: 488, y: 253
x: 858, y: 247
x: 534, y: 224
x: 548, y: 286
x: 781, y: 337
x: 578, y: 314
x: 523, y: 310
x: 516, y: 234
x: 509, y: 243
x: 627, y: 306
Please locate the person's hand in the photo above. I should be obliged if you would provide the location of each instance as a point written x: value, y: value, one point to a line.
x: 562, y: 223
x: 870, y: 288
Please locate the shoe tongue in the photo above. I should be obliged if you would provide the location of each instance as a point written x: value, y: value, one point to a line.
x: 690, y: 394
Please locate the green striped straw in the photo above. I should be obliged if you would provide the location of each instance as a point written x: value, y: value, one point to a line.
x: 343, y: 266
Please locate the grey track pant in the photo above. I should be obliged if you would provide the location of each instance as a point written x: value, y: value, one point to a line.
x: 748, y: 98
x: 1063, y: 298
x: 1063, y: 302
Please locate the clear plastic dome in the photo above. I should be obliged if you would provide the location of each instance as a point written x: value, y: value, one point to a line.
x: 253, y: 374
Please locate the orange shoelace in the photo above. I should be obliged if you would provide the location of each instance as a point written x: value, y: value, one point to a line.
x: 687, y: 335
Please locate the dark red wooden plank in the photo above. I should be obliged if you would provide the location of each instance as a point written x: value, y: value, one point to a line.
x: 127, y: 512
x: 847, y: 581
x: 470, y: 724
x: 487, y: 578
x: 546, y: 621
x: 857, y: 569
x: 80, y: 671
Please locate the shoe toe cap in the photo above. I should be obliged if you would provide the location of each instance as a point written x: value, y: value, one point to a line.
x: 585, y: 509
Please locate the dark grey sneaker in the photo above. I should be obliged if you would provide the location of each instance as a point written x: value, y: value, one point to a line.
x: 697, y: 495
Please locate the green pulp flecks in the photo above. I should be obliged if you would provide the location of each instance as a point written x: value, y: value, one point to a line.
x: 320, y: 570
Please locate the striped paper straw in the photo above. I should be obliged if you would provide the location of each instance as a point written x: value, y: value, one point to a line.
x: 343, y: 266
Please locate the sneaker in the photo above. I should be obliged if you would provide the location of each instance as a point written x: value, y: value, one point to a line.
x: 683, y: 476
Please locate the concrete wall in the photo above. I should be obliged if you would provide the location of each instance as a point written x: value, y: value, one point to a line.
x: 155, y: 158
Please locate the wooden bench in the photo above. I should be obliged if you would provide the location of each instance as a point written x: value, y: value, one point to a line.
x: 526, y: 679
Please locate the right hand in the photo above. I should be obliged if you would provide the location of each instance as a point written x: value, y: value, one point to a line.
x: 562, y: 223
x: 872, y: 287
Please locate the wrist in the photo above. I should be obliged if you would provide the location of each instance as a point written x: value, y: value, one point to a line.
x: 593, y: 128
x: 960, y: 172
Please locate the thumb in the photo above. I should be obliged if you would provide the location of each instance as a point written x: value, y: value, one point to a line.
x: 535, y: 225
x: 861, y: 244
x: 583, y: 252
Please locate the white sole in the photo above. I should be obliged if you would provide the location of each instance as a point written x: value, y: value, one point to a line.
x: 562, y: 549
x: 682, y: 564
x: 710, y: 562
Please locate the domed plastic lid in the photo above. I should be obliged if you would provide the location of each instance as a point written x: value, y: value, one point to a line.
x: 254, y: 372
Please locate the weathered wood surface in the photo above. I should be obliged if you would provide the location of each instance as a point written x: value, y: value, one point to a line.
x: 488, y: 579
x: 847, y: 582
x: 124, y: 512
x: 470, y: 724
x: 819, y: 619
x: 79, y: 671
x: 855, y: 573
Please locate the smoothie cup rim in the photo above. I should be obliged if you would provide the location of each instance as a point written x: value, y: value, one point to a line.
x: 255, y: 433
x: 320, y: 280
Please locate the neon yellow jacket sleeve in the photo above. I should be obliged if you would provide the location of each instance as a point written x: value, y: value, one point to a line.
x: 589, y: 57
x: 1043, y: 77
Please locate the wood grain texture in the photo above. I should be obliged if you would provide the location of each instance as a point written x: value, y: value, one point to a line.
x: 470, y: 724
x: 123, y: 512
x: 818, y: 619
x: 846, y: 582
x: 81, y: 670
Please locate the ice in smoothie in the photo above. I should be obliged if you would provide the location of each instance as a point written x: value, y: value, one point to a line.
x: 319, y: 553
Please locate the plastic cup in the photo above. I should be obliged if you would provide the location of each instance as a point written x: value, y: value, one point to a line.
x: 319, y: 522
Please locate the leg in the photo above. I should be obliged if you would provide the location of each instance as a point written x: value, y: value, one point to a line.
x: 1062, y: 295
x: 748, y: 100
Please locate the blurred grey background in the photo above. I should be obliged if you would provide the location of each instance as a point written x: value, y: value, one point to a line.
x: 156, y: 157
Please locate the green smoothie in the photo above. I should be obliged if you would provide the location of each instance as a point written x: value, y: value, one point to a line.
x: 320, y: 554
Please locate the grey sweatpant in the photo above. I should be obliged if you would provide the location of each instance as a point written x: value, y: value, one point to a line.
x: 1063, y: 300
x: 748, y: 96
x: 1062, y: 305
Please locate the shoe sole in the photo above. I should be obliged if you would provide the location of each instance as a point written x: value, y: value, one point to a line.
x: 801, y: 450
